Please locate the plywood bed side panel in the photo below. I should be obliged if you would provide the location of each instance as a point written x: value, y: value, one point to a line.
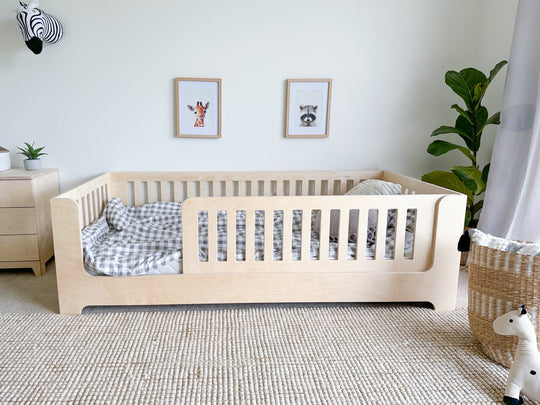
x: 444, y: 273
x: 422, y: 259
x: 91, y: 197
x: 70, y: 274
x: 261, y: 288
x: 150, y: 187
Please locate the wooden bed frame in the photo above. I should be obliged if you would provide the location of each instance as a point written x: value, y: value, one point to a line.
x: 431, y: 275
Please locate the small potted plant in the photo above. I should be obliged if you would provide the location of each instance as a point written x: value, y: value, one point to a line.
x: 32, y: 161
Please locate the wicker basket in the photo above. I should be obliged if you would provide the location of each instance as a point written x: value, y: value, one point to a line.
x: 499, y: 282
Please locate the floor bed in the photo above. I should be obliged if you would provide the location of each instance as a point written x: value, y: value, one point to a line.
x: 426, y: 272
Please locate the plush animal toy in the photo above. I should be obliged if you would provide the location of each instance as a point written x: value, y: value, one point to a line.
x: 524, y: 374
x: 37, y: 26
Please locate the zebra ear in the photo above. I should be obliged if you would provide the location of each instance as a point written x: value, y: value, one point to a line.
x: 523, y: 310
x: 23, y: 5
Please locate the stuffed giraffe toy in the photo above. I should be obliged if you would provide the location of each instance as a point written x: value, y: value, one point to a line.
x: 524, y: 374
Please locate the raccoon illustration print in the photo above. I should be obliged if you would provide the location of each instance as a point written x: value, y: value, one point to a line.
x: 308, y: 115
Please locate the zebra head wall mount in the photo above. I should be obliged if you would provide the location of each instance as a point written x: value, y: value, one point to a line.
x: 37, y: 26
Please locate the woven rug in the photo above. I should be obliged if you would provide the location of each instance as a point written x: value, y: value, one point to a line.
x: 258, y: 354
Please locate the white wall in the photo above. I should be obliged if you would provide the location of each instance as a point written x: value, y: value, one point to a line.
x: 102, y: 99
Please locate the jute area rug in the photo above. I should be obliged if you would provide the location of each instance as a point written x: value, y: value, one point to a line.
x: 260, y: 354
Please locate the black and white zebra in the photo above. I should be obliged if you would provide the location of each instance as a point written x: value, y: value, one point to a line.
x: 37, y: 26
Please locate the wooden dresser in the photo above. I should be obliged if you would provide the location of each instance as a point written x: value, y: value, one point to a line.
x: 25, y: 218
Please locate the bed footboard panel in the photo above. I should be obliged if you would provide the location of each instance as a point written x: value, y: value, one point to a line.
x: 429, y: 273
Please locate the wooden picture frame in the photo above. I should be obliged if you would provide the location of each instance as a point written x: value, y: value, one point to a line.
x: 198, y: 107
x: 308, y: 108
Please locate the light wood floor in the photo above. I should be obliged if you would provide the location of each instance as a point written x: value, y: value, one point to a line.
x: 22, y: 292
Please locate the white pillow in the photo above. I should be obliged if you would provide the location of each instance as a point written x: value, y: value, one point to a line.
x: 366, y: 187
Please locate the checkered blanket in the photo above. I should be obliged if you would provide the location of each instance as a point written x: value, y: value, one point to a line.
x: 141, y: 240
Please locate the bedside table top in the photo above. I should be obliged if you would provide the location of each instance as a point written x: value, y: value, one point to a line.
x: 22, y: 174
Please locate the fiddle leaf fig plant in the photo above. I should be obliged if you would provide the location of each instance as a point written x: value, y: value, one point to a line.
x: 470, y: 84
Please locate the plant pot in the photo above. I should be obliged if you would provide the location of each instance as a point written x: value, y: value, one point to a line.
x: 32, y: 164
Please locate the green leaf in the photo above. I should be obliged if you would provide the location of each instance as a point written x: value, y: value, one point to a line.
x: 477, y: 207
x: 479, y: 91
x: 438, y: 148
x: 464, y: 113
x: 464, y: 82
x: 448, y: 180
x: 494, y: 119
x: 471, y: 177
x: 485, y: 173
x: 496, y: 69
x: 445, y: 129
x: 466, y: 131
x: 459, y: 85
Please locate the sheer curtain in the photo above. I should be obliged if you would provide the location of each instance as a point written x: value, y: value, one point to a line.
x: 512, y: 201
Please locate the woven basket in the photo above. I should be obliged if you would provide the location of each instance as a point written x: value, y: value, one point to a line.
x: 500, y: 282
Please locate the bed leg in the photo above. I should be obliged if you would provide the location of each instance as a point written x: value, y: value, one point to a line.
x: 70, y: 309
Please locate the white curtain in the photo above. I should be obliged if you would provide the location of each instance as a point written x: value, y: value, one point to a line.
x: 512, y: 201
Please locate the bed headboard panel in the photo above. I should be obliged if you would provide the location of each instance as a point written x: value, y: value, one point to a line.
x: 140, y: 188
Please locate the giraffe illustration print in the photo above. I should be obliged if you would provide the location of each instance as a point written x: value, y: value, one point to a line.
x: 200, y: 112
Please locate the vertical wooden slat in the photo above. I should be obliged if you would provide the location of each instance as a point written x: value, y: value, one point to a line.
x: 324, y: 235
x: 190, y: 187
x: 212, y: 236
x: 164, y: 191
x: 280, y: 188
x: 177, y: 191
x: 204, y: 189
x: 100, y: 199
x: 267, y: 188
x: 381, y: 234
x: 303, y: 187
x: 95, y: 207
x: 269, y: 235
x: 361, y: 236
x: 231, y: 236
x: 342, y: 186
x: 137, y: 193
x: 317, y: 189
x: 399, y: 241
x: 305, y: 253
x: 87, y: 214
x: 287, y: 235
x: 250, y: 236
x: 150, y: 187
x: 343, y: 238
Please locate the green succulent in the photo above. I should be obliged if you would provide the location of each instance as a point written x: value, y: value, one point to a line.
x: 470, y: 84
x: 30, y: 152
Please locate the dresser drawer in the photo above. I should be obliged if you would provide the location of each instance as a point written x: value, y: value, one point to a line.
x: 19, y: 248
x: 17, y: 221
x: 16, y: 193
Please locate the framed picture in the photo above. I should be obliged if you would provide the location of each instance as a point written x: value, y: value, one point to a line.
x: 198, y: 108
x: 308, y: 108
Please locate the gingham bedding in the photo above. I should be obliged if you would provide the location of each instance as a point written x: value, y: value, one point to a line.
x: 127, y: 241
